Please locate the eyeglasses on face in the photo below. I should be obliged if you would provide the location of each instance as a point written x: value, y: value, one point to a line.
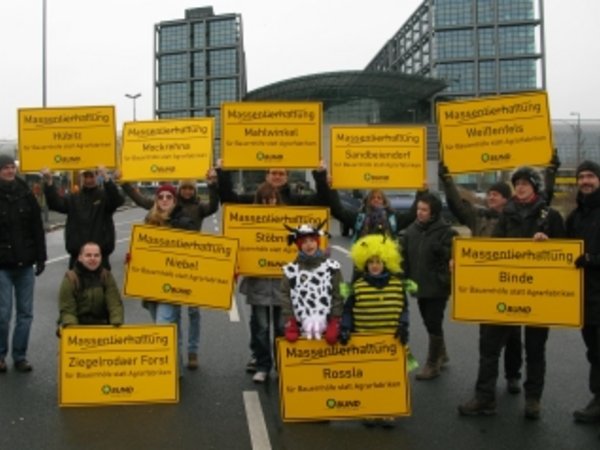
x: 278, y: 173
x: 165, y: 197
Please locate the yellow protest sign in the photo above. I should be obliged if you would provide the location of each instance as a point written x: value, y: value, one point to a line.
x: 167, y: 149
x: 263, y: 237
x: 493, y: 133
x: 67, y: 138
x: 182, y: 267
x: 517, y: 281
x: 105, y: 365
x: 383, y: 157
x: 366, y: 378
x: 267, y: 134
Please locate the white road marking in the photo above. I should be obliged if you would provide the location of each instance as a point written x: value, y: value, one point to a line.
x: 256, y: 421
x: 234, y: 315
x: 341, y: 249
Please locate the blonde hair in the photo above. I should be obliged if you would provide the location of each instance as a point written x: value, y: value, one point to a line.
x: 380, y: 246
x: 158, y: 217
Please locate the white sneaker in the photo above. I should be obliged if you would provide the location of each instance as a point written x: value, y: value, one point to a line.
x: 260, y: 377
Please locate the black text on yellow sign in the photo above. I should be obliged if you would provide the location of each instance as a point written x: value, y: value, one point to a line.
x: 67, y: 138
x: 517, y: 281
x: 366, y: 378
x: 263, y: 237
x: 167, y: 149
x: 104, y: 365
x: 493, y: 133
x: 271, y: 134
x: 369, y: 157
x: 182, y: 267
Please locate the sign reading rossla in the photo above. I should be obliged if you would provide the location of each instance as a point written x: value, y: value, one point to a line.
x: 105, y: 365
x: 167, y: 149
x: 182, y: 267
x: 263, y: 236
x: 517, y: 281
x: 67, y: 138
x: 365, y: 379
x: 495, y: 133
x: 383, y: 157
x: 262, y: 135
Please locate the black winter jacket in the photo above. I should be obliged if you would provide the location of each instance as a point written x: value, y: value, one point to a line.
x: 584, y: 223
x: 523, y: 220
x: 22, y: 236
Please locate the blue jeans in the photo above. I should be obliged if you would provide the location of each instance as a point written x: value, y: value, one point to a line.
x: 193, y: 329
x: 22, y: 282
x: 260, y: 330
x: 167, y: 313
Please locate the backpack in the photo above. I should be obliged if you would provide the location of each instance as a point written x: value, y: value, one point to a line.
x: 360, y: 221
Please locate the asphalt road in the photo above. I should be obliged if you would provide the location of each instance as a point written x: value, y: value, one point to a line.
x: 220, y: 407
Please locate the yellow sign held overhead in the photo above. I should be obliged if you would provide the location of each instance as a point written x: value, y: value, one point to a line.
x: 181, y: 267
x: 383, y: 157
x: 262, y: 135
x: 263, y: 236
x: 67, y: 138
x: 517, y: 281
x: 105, y: 365
x: 495, y: 133
x: 167, y: 149
x: 365, y: 379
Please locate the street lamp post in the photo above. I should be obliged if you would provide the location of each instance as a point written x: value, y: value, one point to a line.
x: 134, y: 98
x: 578, y: 137
x: 44, y: 32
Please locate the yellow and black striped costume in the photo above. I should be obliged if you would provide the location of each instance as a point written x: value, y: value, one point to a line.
x: 378, y: 309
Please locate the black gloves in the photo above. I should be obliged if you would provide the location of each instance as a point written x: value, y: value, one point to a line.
x: 443, y: 170
x: 402, y: 333
x: 39, y: 268
x: 582, y: 261
x: 555, y: 161
x: 344, y: 336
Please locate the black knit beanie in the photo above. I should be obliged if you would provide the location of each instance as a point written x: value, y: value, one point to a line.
x: 590, y: 166
x: 501, y: 188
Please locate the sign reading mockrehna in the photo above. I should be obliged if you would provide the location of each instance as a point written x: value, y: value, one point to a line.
x: 493, y: 133
x: 517, y: 281
x: 67, y: 138
x: 105, y: 365
x: 366, y: 378
x: 264, y: 134
x: 263, y: 236
x: 167, y: 149
x: 378, y: 157
x: 182, y: 267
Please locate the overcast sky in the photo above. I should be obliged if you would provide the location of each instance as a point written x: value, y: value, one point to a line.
x: 99, y: 50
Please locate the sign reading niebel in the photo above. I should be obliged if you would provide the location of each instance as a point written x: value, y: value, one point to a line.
x: 67, y: 138
x: 105, y: 365
x: 366, y: 378
x: 517, y: 281
x: 167, y: 149
x: 378, y: 157
x: 494, y: 133
x: 182, y: 267
x: 262, y: 135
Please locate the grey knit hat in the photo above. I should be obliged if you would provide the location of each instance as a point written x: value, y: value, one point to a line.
x: 5, y: 160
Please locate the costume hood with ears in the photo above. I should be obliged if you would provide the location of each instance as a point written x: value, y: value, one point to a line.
x: 297, y: 235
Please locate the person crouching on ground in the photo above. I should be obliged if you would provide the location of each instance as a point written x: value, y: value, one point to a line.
x: 312, y: 302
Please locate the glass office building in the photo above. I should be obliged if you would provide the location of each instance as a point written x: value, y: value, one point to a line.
x: 199, y: 64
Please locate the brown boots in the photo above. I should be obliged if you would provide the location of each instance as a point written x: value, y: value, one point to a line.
x: 436, y: 358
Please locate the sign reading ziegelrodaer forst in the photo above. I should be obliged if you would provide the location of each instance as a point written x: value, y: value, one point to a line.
x: 181, y: 267
x: 67, y: 138
x: 106, y: 365
x: 383, y: 157
x: 167, y: 149
x: 517, y: 281
x: 262, y: 135
x: 494, y: 133
x: 366, y: 378
x: 263, y: 236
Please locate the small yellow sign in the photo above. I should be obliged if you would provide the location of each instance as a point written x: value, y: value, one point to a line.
x: 105, y: 365
x: 265, y: 134
x: 181, y: 267
x: 263, y: 236
x: 495, y: 133
x: 517, y: 281
x: 167, y: 149
x: 383, y: 157
x: 365, y: 379
x: 67, y: 138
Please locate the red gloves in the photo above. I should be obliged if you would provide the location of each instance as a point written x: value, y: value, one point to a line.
x: 333, y: 330
x: 292, y: 332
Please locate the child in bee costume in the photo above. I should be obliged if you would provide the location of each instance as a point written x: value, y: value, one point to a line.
x: 378, y: 303
x: 312, y: 302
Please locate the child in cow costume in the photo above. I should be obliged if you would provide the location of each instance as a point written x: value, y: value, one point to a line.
x: 312, y: 303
